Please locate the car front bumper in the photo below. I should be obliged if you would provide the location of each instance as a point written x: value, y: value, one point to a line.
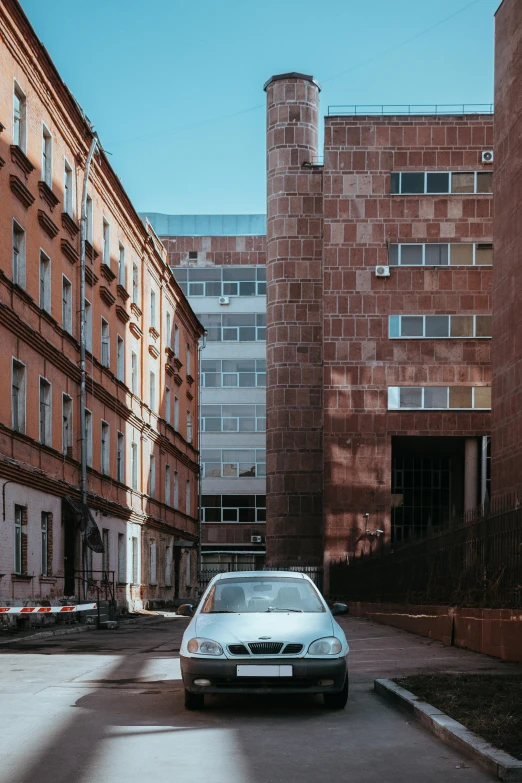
x: 222, y: 673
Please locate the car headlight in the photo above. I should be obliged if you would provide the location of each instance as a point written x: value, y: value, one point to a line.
x: 204, y: 647
x: 330, y: 645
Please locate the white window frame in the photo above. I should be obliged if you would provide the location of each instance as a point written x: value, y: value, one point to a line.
x: 88, y: 326
x: 45, y: 433
x: 189, y: 360
x: 189, y: 426
x: 18, y: 524
x: 88, y: 435
x: 44, y: 281
x: 68, y: 188
x: 168, y: 329
x: 122, y: 560
x: 105, y: 342
x: 89, y: 219
x: 168, y: 404
x: 67, y: 308
x: 18, y: 401
x: 394, y: 399
x: 122, y: 268
x: 19, y: 250
x: 20, y: 134
x: 67, y: 423
x: 47, y: 156
x: 135, y: 466
x: 105, y: 448
x: 153, y: 308
x: 135, y: 561
x: 120, y: 358
x: 423, y: 336
x: 153, y: 562
x: 152, y: 390
x: 135, y: 372
x: 120, y: 456
x: 176, y: 340
x: 152, y: 475
x: 106, y: 242
x: 45, y: 519
x: 135, y: 284
x: 176, y: 489
x: 167, y: 485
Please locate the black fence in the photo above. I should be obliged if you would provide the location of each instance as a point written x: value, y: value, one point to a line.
x: 206, y: 574
x: 477, y: 563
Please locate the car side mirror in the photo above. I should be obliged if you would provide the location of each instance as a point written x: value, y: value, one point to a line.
x: 185, y: 610
x: 340, y: 609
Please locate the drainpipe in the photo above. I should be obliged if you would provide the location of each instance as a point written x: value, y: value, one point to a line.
x: 202, y: 342
x: 83, y: 391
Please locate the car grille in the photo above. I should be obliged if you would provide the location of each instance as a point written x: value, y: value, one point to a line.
x: 265, y: 648
x: 237, y: 649
x: 292, y: 649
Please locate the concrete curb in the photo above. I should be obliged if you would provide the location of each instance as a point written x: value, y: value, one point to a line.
x: 48, y: 634
x: 501, y: 764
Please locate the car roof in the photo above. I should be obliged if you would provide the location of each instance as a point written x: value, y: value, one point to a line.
x: 260, y: 574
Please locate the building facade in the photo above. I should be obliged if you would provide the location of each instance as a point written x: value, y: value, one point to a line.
x: 378, y: 323
x: 142, y: 359
x: 219, y: 262
x: 507, y: 275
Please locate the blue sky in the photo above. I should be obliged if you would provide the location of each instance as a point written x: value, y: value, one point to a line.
x: 160, y: 79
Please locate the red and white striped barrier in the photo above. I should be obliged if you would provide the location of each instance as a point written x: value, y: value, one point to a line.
x: 44, y: 609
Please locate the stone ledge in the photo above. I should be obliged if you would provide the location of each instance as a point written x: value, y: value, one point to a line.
x: 496, y: 761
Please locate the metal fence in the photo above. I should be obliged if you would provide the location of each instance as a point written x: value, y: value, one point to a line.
x: 478, y: 563
x: 206, y: 574
x: 419, y: 109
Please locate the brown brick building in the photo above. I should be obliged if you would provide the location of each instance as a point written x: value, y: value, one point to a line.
x: 142, y: 347
x: 378, y: 323
x: 507, y: 276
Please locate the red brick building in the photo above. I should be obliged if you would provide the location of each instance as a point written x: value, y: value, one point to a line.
x: 378, y: 326
x: 142, y: 347
x: 507, y: 275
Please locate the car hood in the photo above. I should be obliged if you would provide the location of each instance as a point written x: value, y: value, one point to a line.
x: 278, y: 626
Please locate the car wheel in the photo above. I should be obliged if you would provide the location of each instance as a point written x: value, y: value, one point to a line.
x: 337, y: 701
x: 194, y: 701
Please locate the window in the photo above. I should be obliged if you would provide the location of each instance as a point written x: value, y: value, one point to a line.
x: 189, y: 427
x: 234, y: 327
x: 135, y: 563
x: 436, y: 254
x: 105, y: 448
x: 20, y: 531
x: 152, y: 390
x: 233, y: 508
x: 168, y: 565
x: 122, y: 271
x: 152, y: 562
x: 436, y: 326
x: 187, y: 497
x: 106, y: 554
x: 235, y: 418
x: 45, y: 429
x: 19, y: 118
x: 134, y: 465
x: 153, y: 309
x: 46, y: 540
x: 168, y: 329
x: 66, y: 304
x: 106, y: 238
x: 242, y: 373
x: 176, y: 414
x: 88, y: 436
x: 68, y: 192
x: 18, y: 255
x: 189, y: 360
x: 88, y: 326
x: 233, y: 463
x: 120, y: 457
x: 120, y: 358
x: 176, y: 489
x: 105, y: 344
x: 47, y: 164
x: 18, y: 396
x: 167, y: 485
x: 439, y: 397
x: 135, y: 285
x: 134, y: 372
x: 122, y: 576
x: 89, y: 220
x: 176, y: 340
x: 167, y: 405
x: 152, y: 475
x: 224, y: 281
x: 45, y: 282
x: 193, y: 255
x: 441, y: 182
x: 67, y: 425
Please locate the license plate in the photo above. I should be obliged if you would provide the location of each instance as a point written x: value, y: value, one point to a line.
x: 264, y: 671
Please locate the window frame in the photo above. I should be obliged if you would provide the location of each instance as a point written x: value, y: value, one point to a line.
x: 424, y: 336
x: 105, y: 448
x: 449, y: 265
x: 20, y: 137
x: 45, y: 438
x: 106, y: 242
x: 395, y: 391
x: 47, y: 156
x: 449, y: 192
x: 45, y: 281
x: 18, y: 410
x: 120, y: 456
x: 67, y: 306
x: 67, y: 441
x: 19, y: 254
x: 120, y: 358
x: 105, y: 338
x: 68, y: 188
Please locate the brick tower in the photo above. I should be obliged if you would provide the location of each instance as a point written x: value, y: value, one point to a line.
x: 294, y: 321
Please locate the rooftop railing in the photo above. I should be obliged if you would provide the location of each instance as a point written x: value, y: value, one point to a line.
x: 387, y: 110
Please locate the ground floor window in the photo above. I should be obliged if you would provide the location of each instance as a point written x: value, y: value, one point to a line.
x: 233, y: 508
x: 47, y: 537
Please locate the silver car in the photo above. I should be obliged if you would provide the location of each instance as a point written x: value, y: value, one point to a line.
x: 264, y: 632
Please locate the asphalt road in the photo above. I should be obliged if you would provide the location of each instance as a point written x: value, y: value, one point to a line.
x: 107, y: 707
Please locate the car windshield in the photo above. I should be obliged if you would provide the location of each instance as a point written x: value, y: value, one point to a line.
x: 259, y: 594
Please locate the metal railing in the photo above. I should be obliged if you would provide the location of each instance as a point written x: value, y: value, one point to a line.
x: 478, y: 563
x: 412, y: 109
x: 206, y: 574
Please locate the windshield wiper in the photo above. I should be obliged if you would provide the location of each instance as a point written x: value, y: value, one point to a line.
x: 278, y: 609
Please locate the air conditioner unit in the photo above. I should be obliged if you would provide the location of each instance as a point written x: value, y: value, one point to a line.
x: 487, y: 156
x: 256, y: 539
x: 382, y: 271
x: 224, y: 300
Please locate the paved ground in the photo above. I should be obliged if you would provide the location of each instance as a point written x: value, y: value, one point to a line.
x: 107, y: 707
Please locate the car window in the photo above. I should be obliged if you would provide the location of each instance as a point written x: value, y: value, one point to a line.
x: 273, y: 594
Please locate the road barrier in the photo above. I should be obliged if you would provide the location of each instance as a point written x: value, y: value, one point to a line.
x: 45, y: 609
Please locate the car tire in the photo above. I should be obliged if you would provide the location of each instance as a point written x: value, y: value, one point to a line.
x: 194, y: 701
x: 337, y: 701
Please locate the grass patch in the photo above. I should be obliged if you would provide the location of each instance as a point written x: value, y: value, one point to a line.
x: 488, y: 704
